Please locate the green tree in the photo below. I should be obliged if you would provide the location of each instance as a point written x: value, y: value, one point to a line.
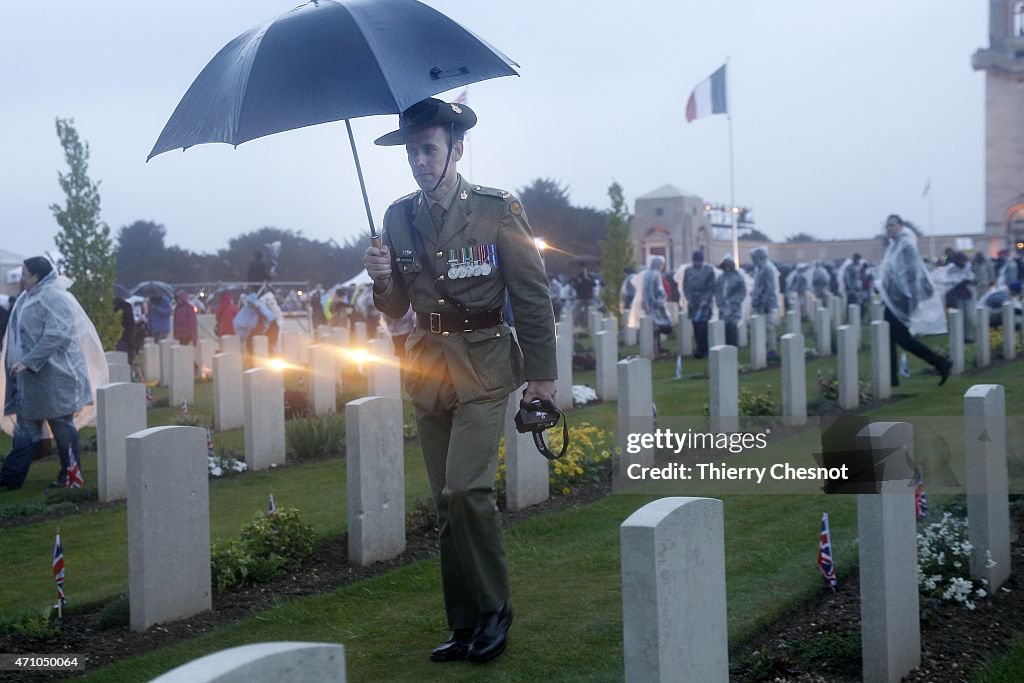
x: 616, y: 250
x: 755, y: 234
x: 87, y: 253
x: 801, y: 237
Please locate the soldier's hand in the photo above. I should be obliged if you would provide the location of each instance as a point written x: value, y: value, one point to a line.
x: 542, y: 389
x: 377, y: 261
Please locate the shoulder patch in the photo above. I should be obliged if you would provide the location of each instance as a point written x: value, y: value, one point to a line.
x: 491, y: 192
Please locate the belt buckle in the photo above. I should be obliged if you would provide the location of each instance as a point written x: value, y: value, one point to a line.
x: 435, y: 323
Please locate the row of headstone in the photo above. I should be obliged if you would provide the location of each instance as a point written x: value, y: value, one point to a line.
x: 673, y: 556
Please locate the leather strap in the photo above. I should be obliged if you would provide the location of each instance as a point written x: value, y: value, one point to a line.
x: 441, y: 323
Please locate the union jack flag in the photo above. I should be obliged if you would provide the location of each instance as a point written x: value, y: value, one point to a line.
x: 209, y: 442
x: 272, y: 510
x: 654, y: 414
x: 825, y: 554
x: 74, y: 480
x: 58, y: 569
x: 149, y: 397
x: 184, y: 408
x: 920, y: 498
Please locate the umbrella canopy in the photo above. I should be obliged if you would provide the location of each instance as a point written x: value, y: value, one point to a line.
x: 328, y: 61
x: 153, y: 288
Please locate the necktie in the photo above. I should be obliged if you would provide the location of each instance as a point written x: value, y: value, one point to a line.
x: 437, y: 213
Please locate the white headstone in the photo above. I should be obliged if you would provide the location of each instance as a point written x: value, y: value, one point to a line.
x: 835, y: 308
x: 165, y: 360
x: 742, y: 336
x: 849, y: 378
x: 526, y: 470
x: 982, y: 342
x: 116, y: 357
x: 359, y: 334
x: 230, y: 343
x: 759, y: 343
x: 673, y: 592
x: 228, y: 393
x: 716, y: 332
x: 823, y: 331
x: 563, y: 358
x: 635, y: 407
x: 260, y: 346
x: 322, y: 375
x: 375, y: 479
x: 881, y: 370
x: 120, y: 411
x: 956, y: 340
x: 606, y: 353
x: 853, y: 318
x: 988, y: 512
x: 793, y: 321
x: 271, y: 662
x: 877, y: 311
x: 264, y: 418
x: 724, y: 382
x: 168, y: 525
x: 685, y: 334
x: 647, y: 337
x: 383, y: 376
x: 794, y: 380
x: 887, y: 533
x: 119, y: 372
x: 151, y: 362
x: 183, y: 375
x: 1009, y: 331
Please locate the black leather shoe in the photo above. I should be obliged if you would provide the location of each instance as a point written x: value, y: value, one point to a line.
x: 455, y: 648
x: 945, y: 367
x: 491, y: 635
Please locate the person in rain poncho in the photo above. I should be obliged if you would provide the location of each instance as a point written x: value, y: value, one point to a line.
x: 730, y: 290
x: 186, y: 324
x: 159, y: 319
x: 820, y: 280
x: 699, y: 291
x: 994, y: 299
x: 798, y: 283
x: 984, y: 273
x: 955, y: 281
x: 850, y: 282
x: 910, y: 298
x: 651, y: 297
x: 764, y: 297
x: 226, y: 312
x: 53, y: 362
x: 274, y: 319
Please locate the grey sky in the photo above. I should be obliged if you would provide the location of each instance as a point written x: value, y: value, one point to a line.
x: 840, y: 114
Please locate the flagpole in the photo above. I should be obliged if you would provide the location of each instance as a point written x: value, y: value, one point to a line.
x: 732, y: 177
x: 931, y: 217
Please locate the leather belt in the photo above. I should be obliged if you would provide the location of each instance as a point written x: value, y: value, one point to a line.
x: 446, y: 323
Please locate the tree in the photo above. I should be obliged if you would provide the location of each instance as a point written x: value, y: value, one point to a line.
x: 572, y: 231
x: 87, y: 254
x: 801, y: 237
x: 141, y: 253
x: 755, y: 235
x: 616, y: 251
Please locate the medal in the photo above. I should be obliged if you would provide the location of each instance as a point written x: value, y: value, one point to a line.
x: 485, y: 269
x: 477, y: 270
x: 451, y: 273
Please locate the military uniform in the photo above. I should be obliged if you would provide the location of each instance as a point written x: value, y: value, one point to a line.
x: 462, y: 363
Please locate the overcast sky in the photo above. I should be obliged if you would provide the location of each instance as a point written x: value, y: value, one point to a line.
x: 841, y: 112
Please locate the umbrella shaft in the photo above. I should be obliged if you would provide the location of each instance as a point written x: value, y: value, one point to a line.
x: 362, y: 183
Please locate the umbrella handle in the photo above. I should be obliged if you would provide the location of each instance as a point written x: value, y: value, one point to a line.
x: 375, y: 241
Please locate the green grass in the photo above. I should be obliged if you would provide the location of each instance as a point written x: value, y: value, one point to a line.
x: 564, y: 566
x: 1008, y: 667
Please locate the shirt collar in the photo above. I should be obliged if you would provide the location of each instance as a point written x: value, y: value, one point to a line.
x: 445, y: 201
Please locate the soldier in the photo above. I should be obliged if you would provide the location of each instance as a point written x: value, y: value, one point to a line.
x: 452, y: 250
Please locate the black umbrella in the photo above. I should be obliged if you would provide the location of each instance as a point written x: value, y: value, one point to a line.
x: 153, y: 288
x: 329, y: 61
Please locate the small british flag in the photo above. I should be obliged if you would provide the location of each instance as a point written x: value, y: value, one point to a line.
x: 828, y: 570
x: 209, y: 443
x: 272, y: 510
x: 149, y: 397
x: 184, y: 408
x: 74, y: 479
x: 58, y: 569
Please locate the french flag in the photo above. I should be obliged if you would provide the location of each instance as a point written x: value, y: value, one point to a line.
x: 708, y: 97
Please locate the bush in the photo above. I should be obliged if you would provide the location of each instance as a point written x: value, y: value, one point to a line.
x: 828, y: 385
x: 588, y: 458
x: 226, y: 463
x: 116, y: 613
x: 757, y: 405
x: 38, y: 624
x: 311, y: 438
x: 995, y: 338
x: 267, y: 545
x: 943, y: 562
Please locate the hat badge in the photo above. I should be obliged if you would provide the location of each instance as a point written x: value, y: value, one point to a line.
x: 456, y: 108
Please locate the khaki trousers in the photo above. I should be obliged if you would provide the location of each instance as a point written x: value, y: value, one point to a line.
x: 460, y: 448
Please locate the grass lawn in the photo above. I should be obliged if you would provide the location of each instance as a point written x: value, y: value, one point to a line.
x: 564, y: 566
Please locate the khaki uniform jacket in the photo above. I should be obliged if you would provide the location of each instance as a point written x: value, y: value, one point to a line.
x: 482, y: 224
